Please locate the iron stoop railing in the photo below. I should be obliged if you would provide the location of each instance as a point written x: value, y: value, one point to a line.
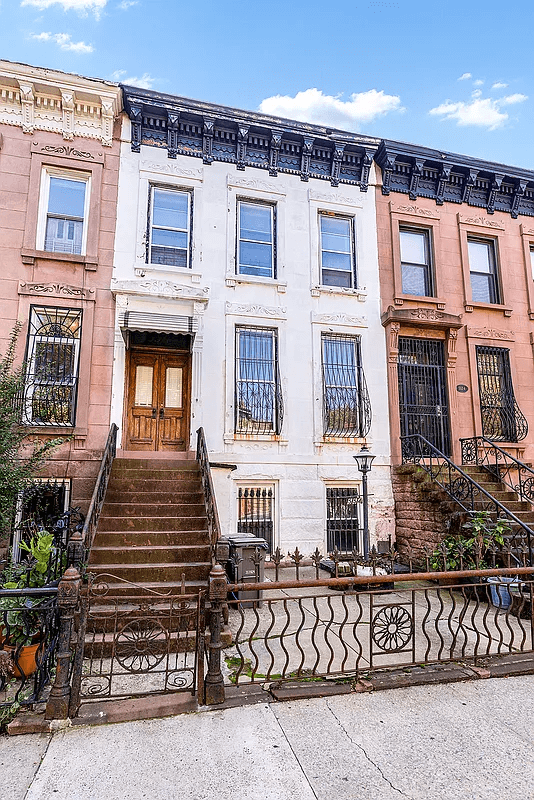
x: 479, y: 451
x: 465, y: 491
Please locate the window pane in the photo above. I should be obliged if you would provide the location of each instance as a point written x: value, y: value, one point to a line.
x: 337, y: 261
x: 255, y: 222
x: 480, y: 257
x: 170, y: 209
x: 63, y: 235
x: 481, y: 288
x: 170, y: 256
x: 338, y: 243
x: 167, y: 238
x: 255, y: 259
x: 332, y: 277
x: 173, y: 387
x: 414, y: 280
x: 335, y: 225
x: 532, y: 262
x: 413, y: 247
x: 66, y: 197
x: 143, y: 385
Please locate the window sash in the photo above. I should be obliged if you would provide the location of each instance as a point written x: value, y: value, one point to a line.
x: 483, y: 271
x: 52, y: 355
x: 337, y: 264
x: 252, y: 249
x: 169, y: 245
x: 346, y: 406
x: 416, y: 274
x: 62, y: 227
x: 258, y: 407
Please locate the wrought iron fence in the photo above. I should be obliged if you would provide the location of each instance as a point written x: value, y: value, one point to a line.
x: 467, y: 493
x: 480, y: 451
x: 214, y: 528
x: 29, y: 629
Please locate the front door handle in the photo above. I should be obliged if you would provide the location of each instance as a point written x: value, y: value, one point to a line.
x: 154, y: 410
x: 161, y: 412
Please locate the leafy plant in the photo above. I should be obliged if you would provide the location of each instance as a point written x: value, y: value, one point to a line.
x: 19, y: 460
x: 470, y: 550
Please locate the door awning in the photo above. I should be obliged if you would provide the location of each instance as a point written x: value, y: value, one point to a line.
x: 160, y: 323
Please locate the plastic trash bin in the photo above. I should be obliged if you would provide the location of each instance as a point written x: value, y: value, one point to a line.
x: 242, y: 566
x: 501, y: 591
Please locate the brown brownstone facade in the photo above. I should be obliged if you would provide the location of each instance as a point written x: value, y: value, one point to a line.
x: 473, y: 248
x: 59, y: 136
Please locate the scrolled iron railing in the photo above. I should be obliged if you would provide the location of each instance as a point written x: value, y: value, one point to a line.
x: 466, y: 492
x: 80, y: 546
x: 214, y: 528
x: 479, y: 451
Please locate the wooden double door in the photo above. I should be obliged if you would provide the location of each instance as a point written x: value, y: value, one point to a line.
x: 158, y: 408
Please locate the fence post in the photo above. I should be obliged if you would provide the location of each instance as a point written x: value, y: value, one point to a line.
x: 57, y: 706
x: 214, y: 683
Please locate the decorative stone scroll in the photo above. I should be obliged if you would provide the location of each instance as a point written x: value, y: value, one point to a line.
x: 339, y: 319
x: 483, y: 221
x: 254, y: 310
x: 160, y: 288
x: 56, y: 290
x: 490, y: 333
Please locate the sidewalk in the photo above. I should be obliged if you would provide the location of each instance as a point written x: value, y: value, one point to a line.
x: 468, y: 741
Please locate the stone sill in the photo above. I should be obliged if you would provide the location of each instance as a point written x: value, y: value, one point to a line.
x: 236, y: 437
x: 179, y: 272
x: 29, y: 256
x: 232, y: 280
x: 359, y: 294
x: 399, y: 300
x: 506, y: 310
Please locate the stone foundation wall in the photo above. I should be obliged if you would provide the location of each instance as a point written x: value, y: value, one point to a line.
x: 424, y: 513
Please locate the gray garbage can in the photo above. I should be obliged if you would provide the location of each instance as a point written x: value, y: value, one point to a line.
x: 244, y: 566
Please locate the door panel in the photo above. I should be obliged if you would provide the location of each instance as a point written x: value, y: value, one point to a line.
x: 158, y: 400
x: 423, y: 399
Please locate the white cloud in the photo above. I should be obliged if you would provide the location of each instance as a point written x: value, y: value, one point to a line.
x: 144, y: 82
x: 126, y: 4
x: 63, y: 40
x: 478, y: 83
x: 499, y: 85
x: 82, y: 6
x: 484, y: 113
x: 476, y: 93
x: 465, y: 76
x: 323, y: 109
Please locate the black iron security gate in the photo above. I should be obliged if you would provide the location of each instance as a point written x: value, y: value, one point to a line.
x: 342, y: 528
x: 423, y: 403
x: 137, y: 643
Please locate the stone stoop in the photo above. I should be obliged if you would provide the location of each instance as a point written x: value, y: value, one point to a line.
x: 153, y: 529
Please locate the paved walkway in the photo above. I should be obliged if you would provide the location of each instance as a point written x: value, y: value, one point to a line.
x: 463, y: 741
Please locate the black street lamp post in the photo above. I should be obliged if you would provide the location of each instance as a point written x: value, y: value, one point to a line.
x: 364, y: 460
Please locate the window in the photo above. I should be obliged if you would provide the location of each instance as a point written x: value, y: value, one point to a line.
x: 346, y: 405
x: 502, y: 419
x: 255, y: 240
x: 258, y: 401
x: 170, y: 223
x: 66, y: 198
x: 483, y: 269
x: 532, y: 262
x: 255, y: 512
x: 415, y: 263
x: 39, y: 507
x: 52, y: 356
x: 337, y: 251
x: 342, y: 526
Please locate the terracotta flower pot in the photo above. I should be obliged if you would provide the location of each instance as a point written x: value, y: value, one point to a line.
x: 26, y: 662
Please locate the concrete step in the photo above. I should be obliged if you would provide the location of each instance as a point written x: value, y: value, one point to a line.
x: 153, y: 509
x: 148, y: 538
x: 181, y: 523
x: 150, y: 553
x: 166, y: 492
x: 160, y: 572
x: 142, y: 472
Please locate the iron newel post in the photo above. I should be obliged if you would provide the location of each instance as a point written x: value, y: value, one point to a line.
x: 214, y: 683
x: 57, y: 706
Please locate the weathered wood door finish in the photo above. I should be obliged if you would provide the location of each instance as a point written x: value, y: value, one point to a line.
x: 158, y: 400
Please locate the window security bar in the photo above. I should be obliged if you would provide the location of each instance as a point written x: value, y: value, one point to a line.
x: 255, y: 513
x: 502, y: 419
x: 346, y: 403
x: 258, y: 401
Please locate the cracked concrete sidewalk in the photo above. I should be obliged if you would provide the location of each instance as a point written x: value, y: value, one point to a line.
x: 472, y: 741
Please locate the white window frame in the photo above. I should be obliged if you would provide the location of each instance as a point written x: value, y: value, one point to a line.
x: 44, y: 194
x: 272, y: 208
x: 179, y: 190
x: 353, y: 271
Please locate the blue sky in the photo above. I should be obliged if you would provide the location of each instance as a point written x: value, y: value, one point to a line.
x: 455, y: 75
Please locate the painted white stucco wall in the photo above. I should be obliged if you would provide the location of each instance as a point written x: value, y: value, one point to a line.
x: 299, y: 463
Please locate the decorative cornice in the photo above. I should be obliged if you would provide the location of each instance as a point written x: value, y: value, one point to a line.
x: 454, y: 178
x: 160, y: 288
x: 248, y: 139
x: 490, y: 333
x: 255, y: 310
x: 339, y: 319
x: 37, y: 99
x: 423, y: 317
x: 56, y: 290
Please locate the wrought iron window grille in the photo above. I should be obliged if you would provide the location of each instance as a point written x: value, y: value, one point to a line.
x: 342, y: 519
x: 256, y: 513
x: 346, y: 404
x: 258, y: 396
x: 502, y: 419
x: 52, y: 358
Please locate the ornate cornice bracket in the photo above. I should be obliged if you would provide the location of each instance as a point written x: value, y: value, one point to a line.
x: 136, y: 118
x: 27, y: 101
x: 173, y: 126
x: 242, y: 141
x: 274, y: 152
x: 207, y: 140
x: 307, y: 148
x: 337, y: 159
